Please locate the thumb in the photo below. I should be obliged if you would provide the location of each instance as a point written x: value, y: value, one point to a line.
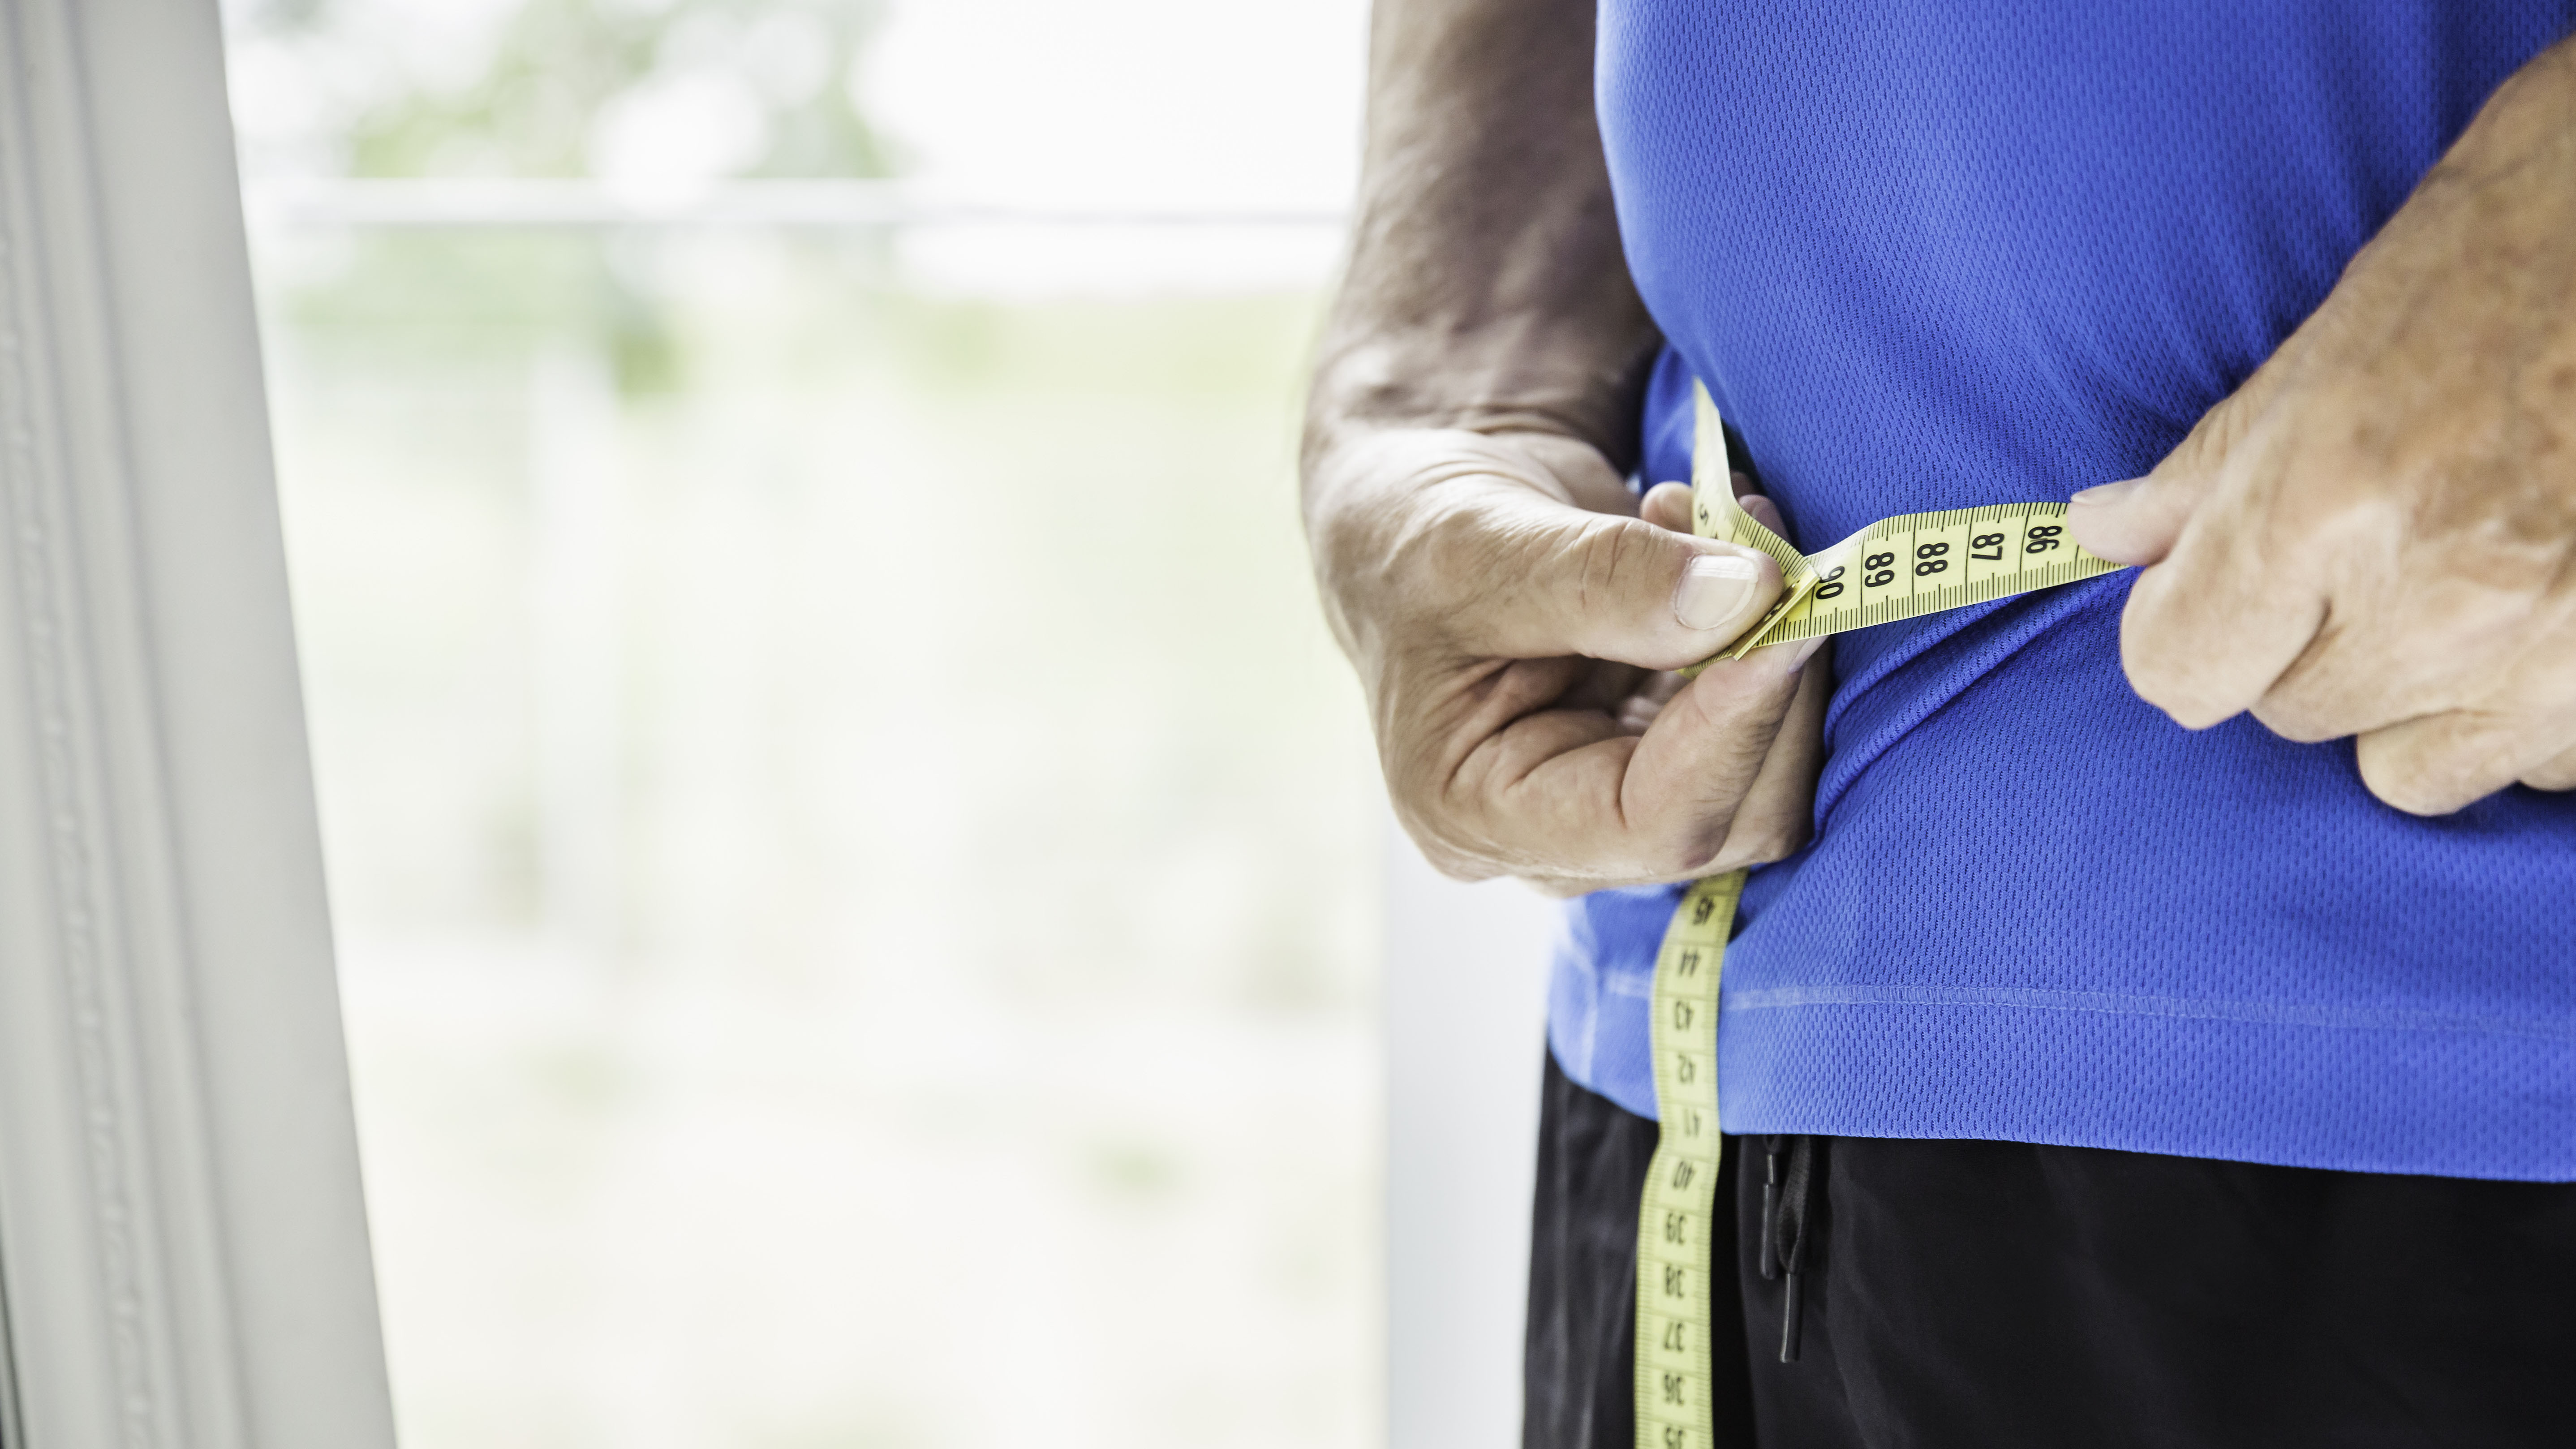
x: 1569, y: 581
x: 2138, y: 520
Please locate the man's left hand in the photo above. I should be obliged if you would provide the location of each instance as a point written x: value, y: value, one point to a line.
x: 2376, y: 535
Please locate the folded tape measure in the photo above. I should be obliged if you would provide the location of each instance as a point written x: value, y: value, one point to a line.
x: 1896, y: 568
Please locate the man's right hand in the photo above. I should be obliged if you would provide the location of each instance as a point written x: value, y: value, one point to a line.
x: 1508, y: 604
x: 1510, y: 612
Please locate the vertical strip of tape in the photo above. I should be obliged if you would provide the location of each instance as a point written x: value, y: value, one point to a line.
x: 1677, y: 1217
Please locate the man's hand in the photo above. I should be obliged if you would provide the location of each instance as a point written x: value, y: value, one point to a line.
x: 2376, y: 536
x: 1479, y: 553
x: 1507, y: 614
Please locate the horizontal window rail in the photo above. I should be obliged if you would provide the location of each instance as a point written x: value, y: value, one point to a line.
x: 824, y: 205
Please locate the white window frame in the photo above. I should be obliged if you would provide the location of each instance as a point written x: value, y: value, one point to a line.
x: 1466, y: 1033
x: 183, y: 1239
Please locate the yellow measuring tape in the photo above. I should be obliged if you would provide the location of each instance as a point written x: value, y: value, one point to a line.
x: 1897, y: 568
x: 1677, y: 1222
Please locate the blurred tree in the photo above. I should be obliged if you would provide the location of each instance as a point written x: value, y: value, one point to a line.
x: 655, y: 92
x: 594, y: 87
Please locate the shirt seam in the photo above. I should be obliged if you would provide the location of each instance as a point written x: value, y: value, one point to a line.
x: 2258, y: 1013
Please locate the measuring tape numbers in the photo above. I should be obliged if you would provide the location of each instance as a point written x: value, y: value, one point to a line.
x: 1677, y: 1222
x: 1896, y: 568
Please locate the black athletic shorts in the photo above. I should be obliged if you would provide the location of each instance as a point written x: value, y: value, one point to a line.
x: 1992, y: 1295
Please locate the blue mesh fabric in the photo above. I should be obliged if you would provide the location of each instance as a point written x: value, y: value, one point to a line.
x: 1933, y: 255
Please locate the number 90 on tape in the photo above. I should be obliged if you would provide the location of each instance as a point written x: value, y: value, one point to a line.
x: 1896, y: 568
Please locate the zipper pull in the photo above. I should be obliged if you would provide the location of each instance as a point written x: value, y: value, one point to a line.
x: 1769, y: 1257
x: 1790, y: 1314
x: 1799, y: 1188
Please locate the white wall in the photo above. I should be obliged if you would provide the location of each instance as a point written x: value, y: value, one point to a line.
x: 1466, y: 997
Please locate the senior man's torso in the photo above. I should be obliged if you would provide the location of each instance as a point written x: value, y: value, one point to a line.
x: 1927, y: 256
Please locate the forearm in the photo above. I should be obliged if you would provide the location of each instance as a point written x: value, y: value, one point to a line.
x: 1499, y: 589
x: 1486, y: 289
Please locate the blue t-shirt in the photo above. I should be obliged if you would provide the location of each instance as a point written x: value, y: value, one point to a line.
x: 1934, y: 255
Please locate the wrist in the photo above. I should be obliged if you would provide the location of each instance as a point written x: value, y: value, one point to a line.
x: 1581, y: 380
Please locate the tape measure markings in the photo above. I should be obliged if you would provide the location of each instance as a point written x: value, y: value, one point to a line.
x: 1677, y: 1217
x: 1896, y: 568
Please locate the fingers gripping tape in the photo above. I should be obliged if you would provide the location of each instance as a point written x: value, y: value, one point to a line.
x: 1896, y: 568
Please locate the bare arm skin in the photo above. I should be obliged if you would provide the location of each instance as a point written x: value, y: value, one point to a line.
x: 2376, y: 535
x: 1505, y: 599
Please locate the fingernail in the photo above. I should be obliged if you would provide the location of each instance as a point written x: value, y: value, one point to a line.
x: 1716, y: 590
x: 2107, y: 493
x: 1805, y: 651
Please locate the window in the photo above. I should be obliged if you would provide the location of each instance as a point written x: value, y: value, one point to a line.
x: 855, y: 862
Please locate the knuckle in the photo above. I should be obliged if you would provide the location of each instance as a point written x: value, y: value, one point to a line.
x: 2328, y: 521
x: 1464, y: 869
x: 1424, y: 795
x: 2157, y: 673
x: 2558, y: 774
x: 1392, y: 564
x: 1452, y: 554
x: 2410, y: 791
x: 2433, y: 769
x: 2147, y: 643
x: 1775, y: 840
x: 2167, y: 667
x: 2218, y: 434
x: 1688, y: 849
x: 2298, y: 720
x: 1612, y: 552
x: 1441, y: 848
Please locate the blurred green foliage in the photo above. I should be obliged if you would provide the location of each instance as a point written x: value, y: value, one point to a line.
x: 498, y: 297
x: 554, y: 68
x: 778, y: 75
x: 822, y: 777
x: 1119, y: 472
